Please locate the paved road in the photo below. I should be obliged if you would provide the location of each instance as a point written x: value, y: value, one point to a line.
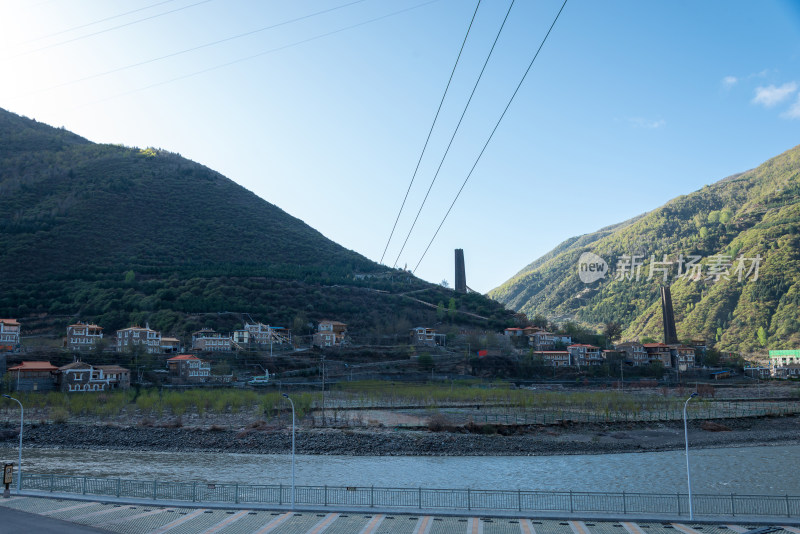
x: 17, y: 522
x: 90, y: 516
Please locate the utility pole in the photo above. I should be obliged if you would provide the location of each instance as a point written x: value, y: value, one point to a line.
x: 323, y: 390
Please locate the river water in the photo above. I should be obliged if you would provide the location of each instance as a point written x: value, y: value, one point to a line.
x: 741, y: 470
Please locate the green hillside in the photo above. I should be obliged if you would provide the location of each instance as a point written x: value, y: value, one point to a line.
x: 756, y: 213
x: 121, y: 235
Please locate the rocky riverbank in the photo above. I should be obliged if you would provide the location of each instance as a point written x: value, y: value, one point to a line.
x: 492, y: 441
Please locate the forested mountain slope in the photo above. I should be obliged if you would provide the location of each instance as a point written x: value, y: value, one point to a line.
x: 120, y: 235
x: 735, y: 225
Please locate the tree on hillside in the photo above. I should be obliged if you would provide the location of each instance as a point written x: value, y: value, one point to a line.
x: 451, y: 309
x: 612, y: 331
x: 539, y: 320
x: 762, y: 336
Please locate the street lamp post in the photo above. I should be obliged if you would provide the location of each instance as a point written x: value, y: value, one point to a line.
x: 292, y: 403
x: 686, y: 438
x: 21, y: 422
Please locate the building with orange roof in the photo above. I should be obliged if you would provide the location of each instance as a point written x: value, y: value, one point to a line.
x: 33, y: 376
x: 9, y: 335
x: 188, y: 369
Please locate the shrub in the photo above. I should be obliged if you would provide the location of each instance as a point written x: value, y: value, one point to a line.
x: 59, y: 415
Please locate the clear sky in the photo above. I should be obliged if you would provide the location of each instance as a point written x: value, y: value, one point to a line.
x: 322, y: 107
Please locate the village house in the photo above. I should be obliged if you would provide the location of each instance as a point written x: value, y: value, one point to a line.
x: 556, y: 358
x: 791, y: 370
x: 33, y: 376
x: 188, y: 369
x: 170, y: 345
x: 9, y: 335
x: 83, y: 336
x: 635, y: 353
x: 261, y: 335
x: 659, y: 352
x: 541, y: 339
x: 514, y: 332
x: 427, y: 337
x: 682, y: 357
x: 330, y: 334
x: 210, y: 341
x: 81, y: 376
x: 127, y: 338
x: 583, y: 354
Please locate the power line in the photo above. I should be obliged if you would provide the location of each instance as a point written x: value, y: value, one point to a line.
x: 273, y: 50
x: 206, y: 45
x: 96, y: 22
x: 492, y: 134
x: 463, y: 113
x: 430, y: 132
x: 109, y: 29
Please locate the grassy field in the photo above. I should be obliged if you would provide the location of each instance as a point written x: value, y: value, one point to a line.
x: 462, y: 400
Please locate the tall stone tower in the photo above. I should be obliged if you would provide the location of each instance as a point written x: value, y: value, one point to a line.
x: 461, y: 275
x: 670, y: 334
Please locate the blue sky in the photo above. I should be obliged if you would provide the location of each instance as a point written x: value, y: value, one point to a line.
x: 629, y: 104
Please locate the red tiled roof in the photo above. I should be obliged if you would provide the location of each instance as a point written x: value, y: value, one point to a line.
x: 34, y: 366
x: 583, y: 345
x: 655, y: 345
x: 10, y: 322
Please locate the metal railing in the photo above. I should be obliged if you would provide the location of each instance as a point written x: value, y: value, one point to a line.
x: 571, y: 502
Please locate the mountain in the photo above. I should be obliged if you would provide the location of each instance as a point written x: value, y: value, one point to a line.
x: 743, y: 222
x: 123, y: 235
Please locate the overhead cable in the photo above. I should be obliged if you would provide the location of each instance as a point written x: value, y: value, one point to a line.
x: 271, y: 51
x: 206, y: 45
x: 491, y: 134
x: 474, y: 88
x: 430, y: 132
x: 108, y: 29
x: 96, y: 22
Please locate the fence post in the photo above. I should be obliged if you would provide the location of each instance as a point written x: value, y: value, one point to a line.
x: 419, y: 497
x: 155, y: 489
x: 236, y: 493
x: 325, y: 496
x: 733, y: 506
x: 52, y: 484
x: 194, y: 491
x: 84, y: 485
x: 570, y: 502
x: 469, y: 499
x: 371, y: 496
x: 280, y: 493
x: 519, y: 499
x: 788, y: 513
x: 678, y: 495
x: 119, y: 486
x: 624, y: 504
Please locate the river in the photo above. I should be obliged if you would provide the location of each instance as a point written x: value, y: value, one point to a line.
x: 741, y: 470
